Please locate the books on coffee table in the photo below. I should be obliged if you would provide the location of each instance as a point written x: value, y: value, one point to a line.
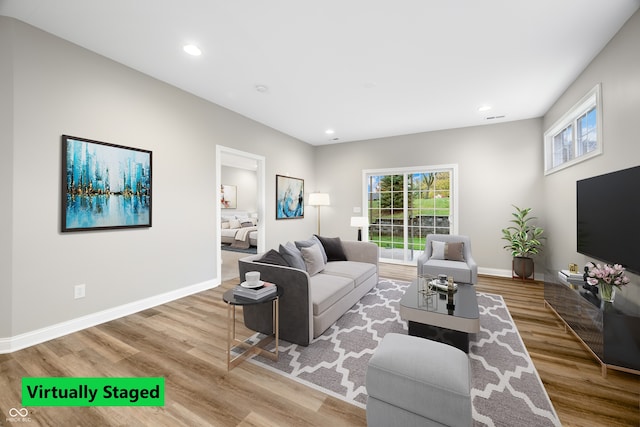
x: 265, y: 290
x: 442, y: 287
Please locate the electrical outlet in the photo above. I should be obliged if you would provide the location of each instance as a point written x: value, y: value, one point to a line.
x: 78, y: 291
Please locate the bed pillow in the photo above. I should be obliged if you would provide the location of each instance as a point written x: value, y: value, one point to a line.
x: 273, y: 257
x: 313, y: 260
x: 246, y: 224
x: 332, y: 248
x: 292, y: 255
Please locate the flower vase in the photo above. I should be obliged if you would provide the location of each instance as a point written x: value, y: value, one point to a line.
x: 606, y: 291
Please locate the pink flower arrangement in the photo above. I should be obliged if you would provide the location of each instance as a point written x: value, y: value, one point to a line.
x: 606, y: 274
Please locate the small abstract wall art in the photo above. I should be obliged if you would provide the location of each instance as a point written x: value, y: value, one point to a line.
x: 228, y: 196
x: 289, y: 197
x: 104, y: 186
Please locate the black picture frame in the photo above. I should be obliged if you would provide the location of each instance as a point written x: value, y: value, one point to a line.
x: 289, y: 197
x: 104, y: 185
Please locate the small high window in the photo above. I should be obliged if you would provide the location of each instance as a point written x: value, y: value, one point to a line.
x: 577, y: 136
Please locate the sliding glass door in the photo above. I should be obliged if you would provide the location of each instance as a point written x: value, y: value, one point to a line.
x: 403, y: 206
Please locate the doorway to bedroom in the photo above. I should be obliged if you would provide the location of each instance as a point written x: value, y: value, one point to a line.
x: 240, y: 207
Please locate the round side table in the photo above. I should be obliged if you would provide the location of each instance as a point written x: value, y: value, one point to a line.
x: 250, y: 349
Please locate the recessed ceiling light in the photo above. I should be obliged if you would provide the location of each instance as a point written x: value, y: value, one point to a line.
x: 329, y: 131
x: 262, y: 88
x: 484, y: 108
x: 192, y: 50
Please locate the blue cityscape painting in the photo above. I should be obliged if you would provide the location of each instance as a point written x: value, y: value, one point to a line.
x: 289, y: 197
x: 104, y: 185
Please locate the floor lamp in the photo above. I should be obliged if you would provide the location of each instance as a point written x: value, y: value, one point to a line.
x: 319, y: 199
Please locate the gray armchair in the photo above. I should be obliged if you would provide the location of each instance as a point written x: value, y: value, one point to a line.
x: 461, y: 266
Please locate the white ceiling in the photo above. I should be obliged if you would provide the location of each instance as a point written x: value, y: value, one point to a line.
x: 365, y: 68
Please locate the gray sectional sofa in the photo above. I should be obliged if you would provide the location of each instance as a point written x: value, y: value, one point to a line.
x: 317, y: 291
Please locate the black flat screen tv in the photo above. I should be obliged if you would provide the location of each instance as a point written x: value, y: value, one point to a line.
x: 608, y: 218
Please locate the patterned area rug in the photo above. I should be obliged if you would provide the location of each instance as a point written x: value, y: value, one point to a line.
x: 506, y: 388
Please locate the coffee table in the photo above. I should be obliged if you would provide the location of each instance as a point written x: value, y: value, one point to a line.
x: 438, y: 320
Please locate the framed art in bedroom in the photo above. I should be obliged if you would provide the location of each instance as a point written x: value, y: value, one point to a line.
x: 228, y: 196
x: 289, y: 197
x: 104, y: 186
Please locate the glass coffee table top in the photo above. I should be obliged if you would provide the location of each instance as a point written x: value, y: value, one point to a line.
x: 434, y: 309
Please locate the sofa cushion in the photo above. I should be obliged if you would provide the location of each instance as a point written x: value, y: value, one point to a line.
x: 327, y: 289
x: 292, y: 255
x: 273, y: 257
x: 313, y: 240
x: 312, y: 259
x: 333, y: 248
x: 460, y: 271
x: 359, y: 272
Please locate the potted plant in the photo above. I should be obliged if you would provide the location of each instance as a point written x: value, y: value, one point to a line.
x: 524, y: 241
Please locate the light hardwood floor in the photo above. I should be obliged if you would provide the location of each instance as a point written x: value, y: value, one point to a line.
x: 184, y: 341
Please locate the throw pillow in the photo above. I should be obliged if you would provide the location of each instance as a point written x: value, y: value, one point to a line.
x: 437, y: 249
x: 292, y: 255
x: 246, y: 224
x: 449, y: 251
x: 273, y: 257
x: 312, y: 259
x: 454, y: 251
x: 333, y: 248
x: 313, y: 240
x: 225, y: 225
x: 234, y: 223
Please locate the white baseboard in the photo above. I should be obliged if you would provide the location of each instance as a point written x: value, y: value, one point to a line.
x: 18, y: 342
x: 505, y: 273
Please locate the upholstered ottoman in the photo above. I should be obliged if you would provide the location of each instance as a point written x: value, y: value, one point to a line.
x: 413, y: 381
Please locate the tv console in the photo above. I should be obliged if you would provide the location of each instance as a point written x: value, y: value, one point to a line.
x: 610, y: 331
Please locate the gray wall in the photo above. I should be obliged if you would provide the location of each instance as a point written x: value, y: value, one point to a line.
x: 6, y: 182
x: 59, y: 88
x: 617, y: 68
x: 498, y: 165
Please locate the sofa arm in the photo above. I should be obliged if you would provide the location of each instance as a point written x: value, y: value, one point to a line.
x: 420, y: 262
x: 474, y: 269
x: 360, y: 251
x: 295, y: 307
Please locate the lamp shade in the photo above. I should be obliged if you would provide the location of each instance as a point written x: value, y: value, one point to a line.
x: 359, y: 221
x: 319, y: 199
